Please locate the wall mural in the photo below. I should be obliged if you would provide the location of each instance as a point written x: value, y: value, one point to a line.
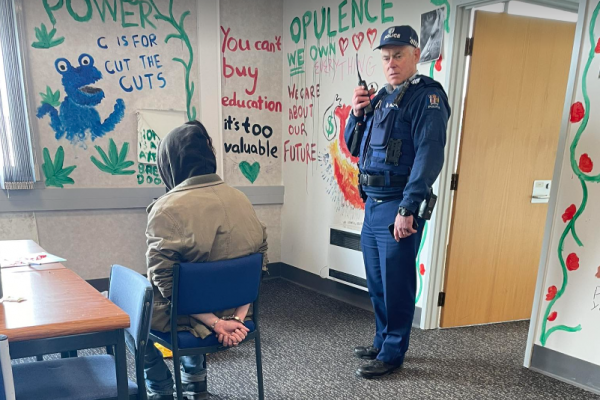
x: 582, y: 167
x: 80, y: 116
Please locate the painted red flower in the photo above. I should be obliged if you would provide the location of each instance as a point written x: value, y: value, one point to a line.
x: 438, y: 64
x: 572, y: 262
x: 577, y: 112
x: 598, y: 47
x: 422, y: 269
x: 552, y: 290
x: 585, y: 163
x: 552, y: 317
x: 598, y: 273
x: 569, y: 213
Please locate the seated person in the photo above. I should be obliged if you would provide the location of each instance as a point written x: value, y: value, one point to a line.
x: 199, y: 219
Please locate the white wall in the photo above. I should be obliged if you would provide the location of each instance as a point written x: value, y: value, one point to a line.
x: 577, y: 303
x: 314, y: 200
x: 92, y: 240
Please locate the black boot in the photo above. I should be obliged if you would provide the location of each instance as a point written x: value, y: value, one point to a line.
x: 366, y: 353
x: 375, y: 369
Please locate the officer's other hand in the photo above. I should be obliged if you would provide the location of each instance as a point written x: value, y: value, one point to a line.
x: 403, y: 227
x: 360, y: 100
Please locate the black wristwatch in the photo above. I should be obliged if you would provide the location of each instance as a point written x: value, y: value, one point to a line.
x: 405, y: 212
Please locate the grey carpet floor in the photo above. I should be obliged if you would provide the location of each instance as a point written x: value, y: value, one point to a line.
x: 307, y: 342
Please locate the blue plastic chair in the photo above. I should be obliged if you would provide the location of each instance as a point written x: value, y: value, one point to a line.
x: 210, y: 287
x: 94, y: 377
x: 7, y: 386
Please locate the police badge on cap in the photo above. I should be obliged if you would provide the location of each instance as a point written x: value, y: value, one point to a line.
x: 399, y: 36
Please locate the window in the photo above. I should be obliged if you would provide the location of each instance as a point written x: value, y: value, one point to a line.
x: 17, y: 169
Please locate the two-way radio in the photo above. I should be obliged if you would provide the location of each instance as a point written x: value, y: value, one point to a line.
x: 368, y: 108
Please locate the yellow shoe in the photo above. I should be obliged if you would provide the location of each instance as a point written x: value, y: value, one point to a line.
x: 165, y: 352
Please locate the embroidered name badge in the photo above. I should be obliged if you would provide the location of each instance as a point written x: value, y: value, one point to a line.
x: 434, y: 101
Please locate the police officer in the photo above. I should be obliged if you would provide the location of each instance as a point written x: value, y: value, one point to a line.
x: 401, y: 146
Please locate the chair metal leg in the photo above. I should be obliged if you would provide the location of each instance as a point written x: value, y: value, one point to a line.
x: 121, y: 366
x: 177, y: 371
x: 65, y: 354
x: 259, y: 372
x: 39, y: 358
x: 110, y: 350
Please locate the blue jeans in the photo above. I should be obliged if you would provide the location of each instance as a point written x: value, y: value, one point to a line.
x: 158, y: 376
x: 391, y: 278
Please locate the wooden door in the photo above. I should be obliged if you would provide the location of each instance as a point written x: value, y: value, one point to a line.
x: 513, y: 111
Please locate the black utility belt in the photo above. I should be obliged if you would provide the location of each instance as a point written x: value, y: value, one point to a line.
x: 379, y: 180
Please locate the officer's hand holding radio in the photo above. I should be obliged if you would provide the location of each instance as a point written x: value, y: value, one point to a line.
x: 361, y: 99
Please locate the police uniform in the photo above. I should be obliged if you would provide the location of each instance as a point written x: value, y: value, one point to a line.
x: 401, y: 156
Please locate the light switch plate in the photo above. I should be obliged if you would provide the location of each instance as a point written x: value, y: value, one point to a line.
x: 541, y: 192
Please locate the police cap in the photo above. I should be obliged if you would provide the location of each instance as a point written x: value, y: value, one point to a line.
x: 399, y: 36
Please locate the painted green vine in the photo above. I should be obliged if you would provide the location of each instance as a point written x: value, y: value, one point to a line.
x: 181, y: 35
x: 419, y: 272
x: 425, y: 228
x: 549, y: 316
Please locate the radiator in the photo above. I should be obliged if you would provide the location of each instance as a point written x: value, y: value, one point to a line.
x: 344, y: 259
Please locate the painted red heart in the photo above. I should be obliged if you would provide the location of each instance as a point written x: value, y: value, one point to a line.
x: 422, y: 269
x: 577, y: 112
x: 438, y: 64
x: 358, y: 37
x: 552, y: 317
x: 585, y: 163
x: 343, y: 45
x: 572, y: 262
x: 371, y: 36
x: 569, y: 213
x: 598, y: 273
x: 598, y: 47
x: 552, y: 290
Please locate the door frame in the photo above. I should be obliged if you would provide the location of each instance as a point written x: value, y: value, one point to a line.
x: 460, y: 19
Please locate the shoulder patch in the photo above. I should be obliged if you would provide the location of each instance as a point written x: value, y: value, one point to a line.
x: 433, y: 101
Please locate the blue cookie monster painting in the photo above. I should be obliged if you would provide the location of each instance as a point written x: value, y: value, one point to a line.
x: 77, y: 112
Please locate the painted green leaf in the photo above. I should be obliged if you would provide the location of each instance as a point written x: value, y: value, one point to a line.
x: 57, y: 42
x: 112, y: 152
x: 103, y: 155
x: 114, y: 163
x: 179, y: 60
x: 171, y: 36
x: 182, y: 18
x: 45, y: 39
x: 54, y: 172
x: 123, y: 152
x: 59, y: 159
x: 50, y: 97
x: 38, y: 34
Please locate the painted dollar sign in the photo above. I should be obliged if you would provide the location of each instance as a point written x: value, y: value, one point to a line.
x: 330, y: 127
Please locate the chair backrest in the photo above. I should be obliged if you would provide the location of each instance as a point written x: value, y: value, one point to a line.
x: 7, y: 385
x: 133, y: 294
x: 217, y: 285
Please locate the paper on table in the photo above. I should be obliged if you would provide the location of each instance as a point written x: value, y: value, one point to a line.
x: 30, y: 259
